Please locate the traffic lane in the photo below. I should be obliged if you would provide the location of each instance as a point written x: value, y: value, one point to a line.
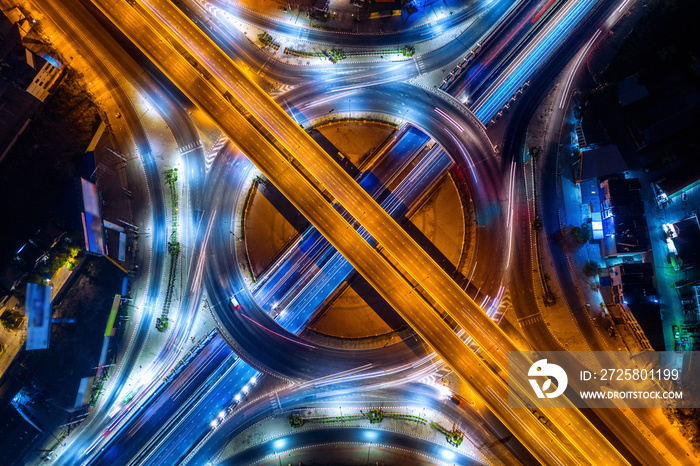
x: 185, y: 135
x: 466, y: 351
x: 367, y: 437
x: 500, y: 47
x: 540, y: 48
x: 362, y: 257
x: 478, y: 429
x: 125, y: 443
x: 197, y: 422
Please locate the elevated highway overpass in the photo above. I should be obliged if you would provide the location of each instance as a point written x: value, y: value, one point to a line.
x: 399, y: 269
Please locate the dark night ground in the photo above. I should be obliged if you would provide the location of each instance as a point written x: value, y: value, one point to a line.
x: 665, y: 41
x: 41, y: 165
x: 74, y: 349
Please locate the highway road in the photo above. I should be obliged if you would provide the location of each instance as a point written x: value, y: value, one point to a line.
x: 479, y: 429
x: 214, y: 359
x: 546, y: 42
x: 501, y: 47
x: 622, y: 431
x: 406, y: 300
x: 334, y: 269
x: 177, y: 444
x: 420, y: 267
x: 323, y: 176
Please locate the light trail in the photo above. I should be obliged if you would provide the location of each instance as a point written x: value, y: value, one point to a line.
x: 579, y: 59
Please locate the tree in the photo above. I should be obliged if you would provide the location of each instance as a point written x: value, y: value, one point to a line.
x: 582, y: 234
x: 296, y: 421
x: 537, y: 224
x: 590, y: 269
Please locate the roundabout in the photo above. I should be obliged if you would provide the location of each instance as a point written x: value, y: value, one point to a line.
x: 294, y: 354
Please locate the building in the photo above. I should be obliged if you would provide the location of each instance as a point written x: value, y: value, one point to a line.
x: 685, y: 235
x: 17, y: 432
x: 26, y: 79
x: 679, y: 178
x: 629, y: 90
x: 594, y: 165
x: 591, y: 134
x: 661, y: 109
x: 690, y: 298
x: 600, y: 163
x: 632, y: 285
x: 320, y: 6
x: 623, y: 224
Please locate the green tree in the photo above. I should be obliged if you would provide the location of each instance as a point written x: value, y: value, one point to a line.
x: 582, y: 234
x: 590, y: 269
x: 296, y: 421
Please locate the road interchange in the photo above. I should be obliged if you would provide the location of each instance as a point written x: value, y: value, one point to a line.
x: 445, y: 138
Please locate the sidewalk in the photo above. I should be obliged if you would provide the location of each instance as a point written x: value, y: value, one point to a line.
x: 301, y: 51
x: 341, y: 14
x: 350, y: 416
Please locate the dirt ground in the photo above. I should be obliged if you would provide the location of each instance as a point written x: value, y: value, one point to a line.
x: 355, y: 139
x: 266, y: 231
x: 350, y: 317
x: 441, y: 220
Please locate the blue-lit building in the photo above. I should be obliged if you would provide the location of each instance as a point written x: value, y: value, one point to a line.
x: 595, y: 165
x: 633, y: 286
x: 623, y: 223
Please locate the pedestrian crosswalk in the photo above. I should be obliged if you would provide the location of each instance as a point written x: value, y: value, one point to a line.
x: 190, y: 147
x: 529, y: 320
x: 420, y: 65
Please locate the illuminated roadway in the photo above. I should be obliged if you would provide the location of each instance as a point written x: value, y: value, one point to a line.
x: 373, y: 265
x: 363, y: 222
x: 194, y: 179
x: 389, y: 235
x: 355, y: 75
x: 148, y: 201
x: 434, y: 282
